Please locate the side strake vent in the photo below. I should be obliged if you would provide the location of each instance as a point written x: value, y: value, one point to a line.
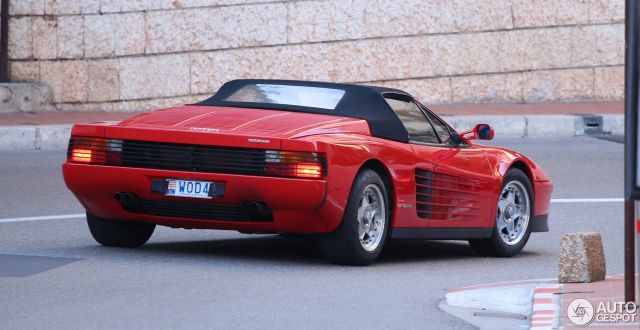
x: 424, y: 182
x: 441, y: 196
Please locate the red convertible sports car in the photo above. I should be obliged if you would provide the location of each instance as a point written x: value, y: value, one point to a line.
x: 356, y: 165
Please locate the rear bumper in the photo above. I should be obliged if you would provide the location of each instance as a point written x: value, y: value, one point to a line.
x: 297, y: 205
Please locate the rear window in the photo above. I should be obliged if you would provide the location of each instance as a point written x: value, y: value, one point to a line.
x: 304, y: 96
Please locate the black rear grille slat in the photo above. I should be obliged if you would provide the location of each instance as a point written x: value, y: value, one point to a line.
x: 200, y: 211
x: 171, y: 156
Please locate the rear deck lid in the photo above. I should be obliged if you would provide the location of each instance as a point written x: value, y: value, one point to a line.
x: 231, y: 126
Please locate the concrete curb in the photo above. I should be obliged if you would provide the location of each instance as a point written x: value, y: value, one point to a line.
x: 508, y: 305
x: 47, y: 137
x: 34, y: 137
x: 537, y: 126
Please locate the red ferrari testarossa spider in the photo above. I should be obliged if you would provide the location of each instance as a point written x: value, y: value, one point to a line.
x: 355, y: 164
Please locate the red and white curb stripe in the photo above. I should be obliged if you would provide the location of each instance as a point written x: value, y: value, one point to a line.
x: 545, y: 307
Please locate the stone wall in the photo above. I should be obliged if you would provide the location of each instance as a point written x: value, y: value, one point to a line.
x: 140, y: 54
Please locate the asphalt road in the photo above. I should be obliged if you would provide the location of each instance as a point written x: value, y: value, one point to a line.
x: 217, y: 279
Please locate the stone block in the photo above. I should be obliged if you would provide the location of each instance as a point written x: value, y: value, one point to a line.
x: 75, y: 79
x: 99, y: 35
x: 26, y: 7
x: 154, y: 76
x: 25, y: 97
x: 67, y: 79
x: 210, y: 3
x: 310, y: 21
x: 20, y: 43
x: 44, y: 35
x: 117, y: 6
x: 90, y: 6
x: 216, y: 28
x: 533, y: 49
x: 427, y: 91
x: 70, y: 37
x: 473, y: 15
x: 103, y: 83
x: 210, y: 70
x: 558, y: 85
x: 52, y: 75
x: 609, y: 44
x: 22, y: 71
x: 130, y: 34
x: 609, y: 83
x: 487, y: 88
x: 603, y: 11
x: 63, y: 7
x: 581, y: 258
x: 528, y: 13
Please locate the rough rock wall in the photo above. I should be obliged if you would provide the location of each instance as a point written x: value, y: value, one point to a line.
x: 140, y: 54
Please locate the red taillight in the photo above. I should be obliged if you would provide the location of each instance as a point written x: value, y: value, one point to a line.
x: 313, y: 171
x: 81, y: 155
x: 92, y: 150
x: 305, y: 165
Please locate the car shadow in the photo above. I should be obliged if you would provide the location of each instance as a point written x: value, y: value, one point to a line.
x: 303, y: 250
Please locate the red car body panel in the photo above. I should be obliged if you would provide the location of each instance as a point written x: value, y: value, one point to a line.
x: 468, y: 180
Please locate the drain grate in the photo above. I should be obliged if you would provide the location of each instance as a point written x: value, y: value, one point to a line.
x: 592, y: 125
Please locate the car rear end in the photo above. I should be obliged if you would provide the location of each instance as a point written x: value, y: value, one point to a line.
x: 199, y: 178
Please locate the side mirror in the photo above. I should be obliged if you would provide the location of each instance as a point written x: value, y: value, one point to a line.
x: 480, y: 132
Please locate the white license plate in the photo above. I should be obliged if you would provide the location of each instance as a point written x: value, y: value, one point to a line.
x: 189, y: 188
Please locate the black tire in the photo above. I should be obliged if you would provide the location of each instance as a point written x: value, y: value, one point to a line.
x: 119, y: 233
x: 343, y: 246
x: 495, y: 246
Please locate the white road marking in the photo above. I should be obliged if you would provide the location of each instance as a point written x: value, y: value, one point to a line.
x: 587, y: 200
x: 82, y: 215
x: 46, y: 217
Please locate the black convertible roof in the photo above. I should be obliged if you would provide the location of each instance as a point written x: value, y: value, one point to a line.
x: 359, y: 101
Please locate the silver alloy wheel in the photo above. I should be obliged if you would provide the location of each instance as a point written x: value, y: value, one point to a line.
x: 371, y: 217
x: 513, y: 213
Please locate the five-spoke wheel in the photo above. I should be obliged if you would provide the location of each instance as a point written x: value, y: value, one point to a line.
x: 360, y: 236
x: 371, y: 217
x: 512, y: 224
x: 513, y: 212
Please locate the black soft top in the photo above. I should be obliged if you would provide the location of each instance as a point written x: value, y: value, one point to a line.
x: 359, y: 101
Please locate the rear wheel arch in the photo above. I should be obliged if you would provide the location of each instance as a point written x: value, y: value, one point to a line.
x: 382, y: 170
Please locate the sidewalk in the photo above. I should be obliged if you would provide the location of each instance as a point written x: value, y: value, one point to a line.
x: 50, y: 130
x: 544, y: 304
